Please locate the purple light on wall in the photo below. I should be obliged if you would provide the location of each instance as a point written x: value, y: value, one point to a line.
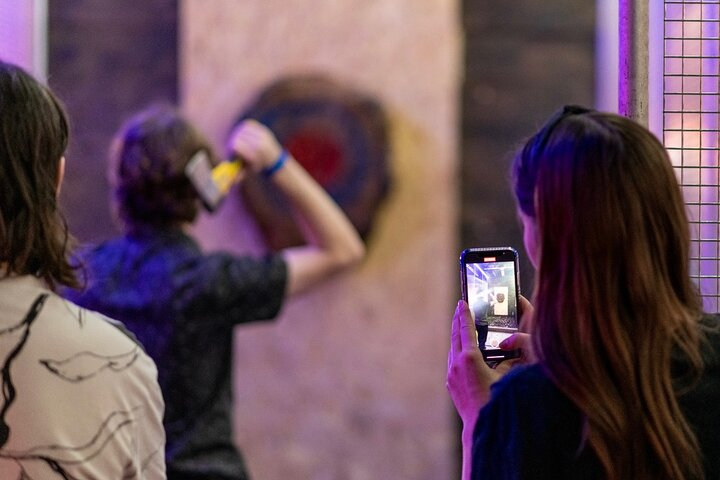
x: 21, y: 38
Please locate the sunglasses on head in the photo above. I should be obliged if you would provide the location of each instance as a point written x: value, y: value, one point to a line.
x: 544, y: 135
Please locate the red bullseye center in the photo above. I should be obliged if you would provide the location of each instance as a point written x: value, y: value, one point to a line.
x: 320, y: 156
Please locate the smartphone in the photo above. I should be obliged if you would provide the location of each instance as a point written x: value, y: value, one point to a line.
x: 490, y: 286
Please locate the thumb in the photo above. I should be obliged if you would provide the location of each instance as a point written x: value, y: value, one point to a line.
x: 516, y: 340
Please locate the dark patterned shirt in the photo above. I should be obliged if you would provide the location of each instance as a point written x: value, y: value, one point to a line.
x: 183, y: 304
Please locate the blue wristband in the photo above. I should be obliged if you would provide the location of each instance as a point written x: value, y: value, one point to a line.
x: 270, y: 171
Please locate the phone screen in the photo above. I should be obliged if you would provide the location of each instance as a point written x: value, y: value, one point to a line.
x: 491, y: 290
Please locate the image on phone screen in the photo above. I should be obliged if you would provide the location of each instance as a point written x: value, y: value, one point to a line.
x: 492, y: 297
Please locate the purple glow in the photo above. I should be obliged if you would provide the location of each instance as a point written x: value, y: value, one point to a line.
x: 691, y: 113
x: 16, y: 33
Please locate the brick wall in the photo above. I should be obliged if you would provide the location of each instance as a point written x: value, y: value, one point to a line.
x: 107, y: 59
x: 523, y: 60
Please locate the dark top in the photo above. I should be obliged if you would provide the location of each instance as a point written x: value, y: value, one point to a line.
x: 183, y: 305
x: 531, y: 430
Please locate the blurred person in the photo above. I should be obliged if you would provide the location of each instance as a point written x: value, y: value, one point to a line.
x: 80, y: 398
x: 623, y: 373
x: 183, y: 303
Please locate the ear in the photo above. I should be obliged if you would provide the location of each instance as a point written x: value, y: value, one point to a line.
x: 60, y: 174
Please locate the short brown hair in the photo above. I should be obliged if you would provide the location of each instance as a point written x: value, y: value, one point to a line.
x: 148, y: 160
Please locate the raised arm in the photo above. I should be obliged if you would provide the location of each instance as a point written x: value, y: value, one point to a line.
x: 332, y: 243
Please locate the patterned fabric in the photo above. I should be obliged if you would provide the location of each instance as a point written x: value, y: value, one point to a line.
x: 80, y: 398
x: 183, y: 306
x: 530, y: 430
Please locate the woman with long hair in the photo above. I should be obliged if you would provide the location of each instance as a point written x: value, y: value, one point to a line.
x: 624, y: 381
x: 79, y: 397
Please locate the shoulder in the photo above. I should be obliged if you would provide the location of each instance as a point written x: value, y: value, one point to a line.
x: 241, y: 288
x: 111, y: 401
x: 239, y: 271
x: 525, y: 396
x: 530, y: 425
x: 524, y: 380
x: 249, y: 262
x: 700, y: 403
x: 139, y: 247
x: 710, y: 324
x: 79, y: 344
x: 84, y: 333
x: 710, y: 342
x: 530, y: 396
x: 519, y: 396
x: 82, y: 346
x: 88, y: 252
x: 707, y: 389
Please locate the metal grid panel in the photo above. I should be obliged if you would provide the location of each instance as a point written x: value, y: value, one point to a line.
x: 691, y: 114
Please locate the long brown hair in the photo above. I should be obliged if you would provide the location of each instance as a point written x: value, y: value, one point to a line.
x: 614, y: 301
x: 34, y: 238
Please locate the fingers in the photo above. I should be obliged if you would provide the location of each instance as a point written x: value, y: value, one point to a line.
x: 466, y: 327
x: 515, y: 341
x: 236, y: 141
x: 506, y: 365
x: 468, y: 377
x: 527, y: 311
x: 522, y: 341
x: 455, y: 342
x: 255, y: 143
x: 525, y: 306
x: 245, y: 136
x: 463, y: 335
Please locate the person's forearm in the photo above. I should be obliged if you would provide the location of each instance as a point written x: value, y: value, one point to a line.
x: 322, y: 222
x: 326, y: 225
x: 332, y: 243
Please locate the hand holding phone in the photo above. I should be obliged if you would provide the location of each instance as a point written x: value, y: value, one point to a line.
x: 490, y: 286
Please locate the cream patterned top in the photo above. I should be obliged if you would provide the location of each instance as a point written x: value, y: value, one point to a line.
x: 79, y: 397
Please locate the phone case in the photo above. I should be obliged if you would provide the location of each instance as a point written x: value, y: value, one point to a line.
x: 490, y: 286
